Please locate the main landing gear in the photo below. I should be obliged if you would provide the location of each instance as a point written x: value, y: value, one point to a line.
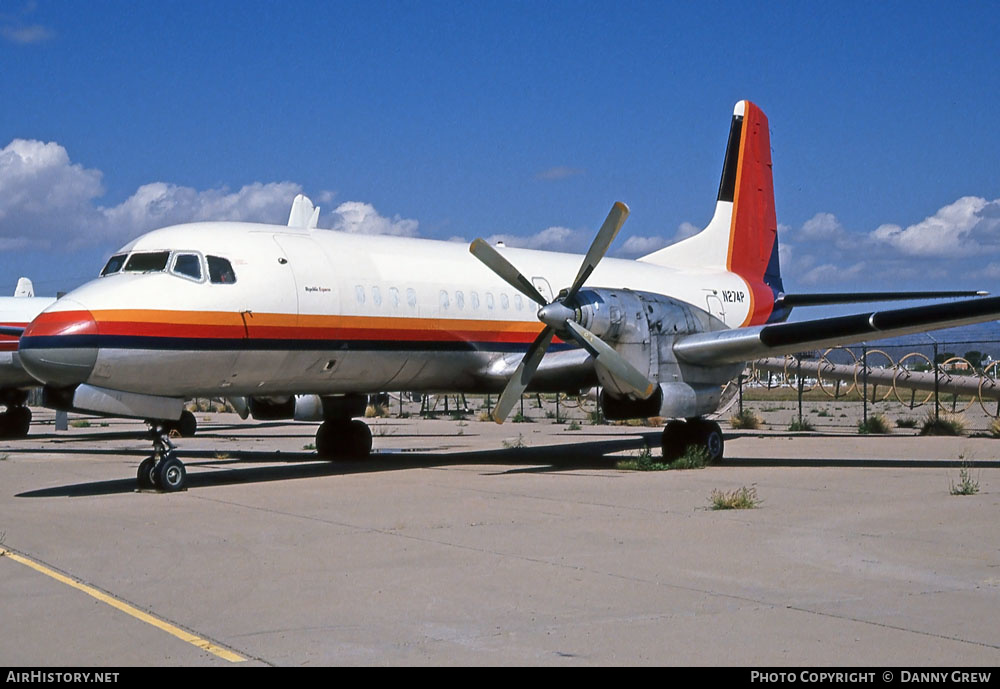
x: 678, y: 435
x: 15, y: 422
x: 162, y: 470
x: 343, y: 439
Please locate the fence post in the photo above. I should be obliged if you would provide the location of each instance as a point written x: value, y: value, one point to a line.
x: 798, y: 375
x: 741, y: 393
x: 864, y: 378
x: 937, y: 405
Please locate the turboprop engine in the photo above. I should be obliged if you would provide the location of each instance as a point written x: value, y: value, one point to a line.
x: 629, y: 334
x: 642, y: 327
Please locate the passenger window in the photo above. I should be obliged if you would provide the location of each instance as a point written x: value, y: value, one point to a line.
x: 359, y: 294
x: 504, y: 301
x: 518, y: 302
x: 151, y: 262
x: 411, y: 297
x: 475, y: 300
x: 460, y: 300
x: 188, y: 265
x: 220, y: 271
x: 376, y: 296
x: 489, y: 301
x: 443, y: 299
x: 394, y: 296
x: 114, y: 264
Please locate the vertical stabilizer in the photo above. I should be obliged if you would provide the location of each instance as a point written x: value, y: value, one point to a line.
x: 742, y: 236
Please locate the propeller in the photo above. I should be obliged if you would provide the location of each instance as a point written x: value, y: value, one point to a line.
x: 559, y: 319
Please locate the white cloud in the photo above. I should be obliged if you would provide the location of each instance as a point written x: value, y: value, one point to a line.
x: 47, y: 200
x: 968, y: 227
x: 362, y: 218
x: 550, y: 239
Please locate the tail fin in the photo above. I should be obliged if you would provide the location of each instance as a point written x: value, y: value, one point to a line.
x: 742, y: 236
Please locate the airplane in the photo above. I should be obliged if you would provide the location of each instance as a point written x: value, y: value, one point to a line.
x: 15, y: 313
x: 304, y: 322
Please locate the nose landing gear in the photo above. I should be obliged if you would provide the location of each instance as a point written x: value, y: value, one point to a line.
x: 162, y: 470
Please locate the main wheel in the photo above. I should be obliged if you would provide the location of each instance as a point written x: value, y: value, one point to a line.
x: 187, y: 425
x: 145, y: 476
x: 171, y: 475
x: 359, y: 440
x: 18, y: 422
x: 676, y: 437
x: 708, y: 434
x: 343, y: 440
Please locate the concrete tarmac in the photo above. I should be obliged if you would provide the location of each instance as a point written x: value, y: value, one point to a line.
x: 468, y: 543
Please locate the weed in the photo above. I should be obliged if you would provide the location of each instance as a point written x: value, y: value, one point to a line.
x: 222, y: 455
x: 802, y: 425
x: 943, y: 425
x: 994, y: 429
x: 484, y: 416
x: 966, y: 484
x: 877, y: 424
x: 573, y: 426
x: 520, y: 418
x: 596, y: 417
x: 694, y: 457
x: 740, y: 499
x: 512, y: 444
x: 376, y: 411
x: 745, y: 420
x: 824, y: 413
x: 80, y: 423
x: 382, y: 430
x: 310, y: 446
x: 458, y: 415
x: 4, y: 457
x: 906, y: 423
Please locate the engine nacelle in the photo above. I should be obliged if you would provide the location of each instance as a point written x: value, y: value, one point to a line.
x: 642, y: 327
x: 307, y: 407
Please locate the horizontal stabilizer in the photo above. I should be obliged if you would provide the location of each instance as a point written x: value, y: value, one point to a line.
x: 747, y: 344
x: 825, y: 299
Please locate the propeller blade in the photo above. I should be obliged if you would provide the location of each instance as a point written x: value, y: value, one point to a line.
x: 522, y: 376
x: 599, y: 247
x: 614, y: 362
x: 502, y: 267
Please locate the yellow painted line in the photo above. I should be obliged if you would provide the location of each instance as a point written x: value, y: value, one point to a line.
x: 126, y: 608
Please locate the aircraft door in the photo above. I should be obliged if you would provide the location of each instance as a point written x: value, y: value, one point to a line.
x: 543, y: 287
x: 715, y: 305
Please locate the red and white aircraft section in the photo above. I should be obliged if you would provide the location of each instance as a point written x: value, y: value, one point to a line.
x: 15, y: 314
x: 306, y: 322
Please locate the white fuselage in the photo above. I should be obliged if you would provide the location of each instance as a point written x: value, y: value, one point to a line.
x: 317, y: 311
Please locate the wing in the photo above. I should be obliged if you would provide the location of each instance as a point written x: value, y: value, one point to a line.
x: 747, y: 344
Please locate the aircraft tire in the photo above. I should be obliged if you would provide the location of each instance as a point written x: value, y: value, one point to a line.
x: 360, y: 439
x: 171, y: 476
x: 187, y: 426
x: 145, y: 476
x: 708, y: 434
x: 676, y: 436
x: 18, y: 422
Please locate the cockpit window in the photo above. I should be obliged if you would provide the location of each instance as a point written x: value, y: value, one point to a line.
x: 114, y: 264
x: 188, y: 265
x: 220, y: 270
x: 152, y: 262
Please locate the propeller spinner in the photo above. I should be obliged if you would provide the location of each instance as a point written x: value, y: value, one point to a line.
x: 559, y: 317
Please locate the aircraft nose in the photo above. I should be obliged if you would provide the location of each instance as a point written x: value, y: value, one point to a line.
x: 60, y: 347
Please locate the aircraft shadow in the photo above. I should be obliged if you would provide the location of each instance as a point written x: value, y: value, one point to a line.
x: 597, y: 454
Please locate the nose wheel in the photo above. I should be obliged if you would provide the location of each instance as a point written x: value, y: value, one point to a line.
x: 162, y: 470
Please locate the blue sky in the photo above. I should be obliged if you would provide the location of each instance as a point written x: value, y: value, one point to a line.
x: 525, y: 120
